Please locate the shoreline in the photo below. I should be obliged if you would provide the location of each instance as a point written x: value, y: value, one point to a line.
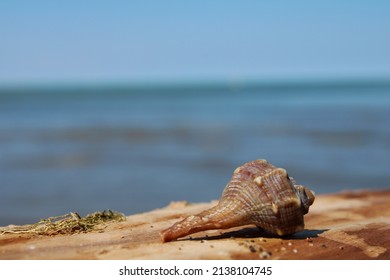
x: 344, y: 225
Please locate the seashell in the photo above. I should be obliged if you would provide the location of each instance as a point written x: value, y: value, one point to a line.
x: 258, y: 194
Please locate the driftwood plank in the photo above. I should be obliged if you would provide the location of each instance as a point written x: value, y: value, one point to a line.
x: 347, y: 225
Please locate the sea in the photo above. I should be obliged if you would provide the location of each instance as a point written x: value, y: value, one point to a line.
x: 135, y: 148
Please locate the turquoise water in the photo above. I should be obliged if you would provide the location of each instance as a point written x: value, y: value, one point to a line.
x: 135, y: 149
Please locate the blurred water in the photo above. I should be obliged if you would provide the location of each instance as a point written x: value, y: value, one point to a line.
x: 132, y: 150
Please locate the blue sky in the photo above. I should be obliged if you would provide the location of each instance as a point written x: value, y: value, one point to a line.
x: 141, y: 41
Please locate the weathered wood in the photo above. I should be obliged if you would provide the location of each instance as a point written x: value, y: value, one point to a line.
x: 347, y: 225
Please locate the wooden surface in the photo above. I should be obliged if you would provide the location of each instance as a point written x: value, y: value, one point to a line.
x: 347, y: 225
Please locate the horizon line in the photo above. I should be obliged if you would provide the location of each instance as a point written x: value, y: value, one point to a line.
x: 232, y: 84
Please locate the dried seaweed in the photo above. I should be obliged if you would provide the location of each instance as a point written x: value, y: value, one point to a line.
x: 66, y: 224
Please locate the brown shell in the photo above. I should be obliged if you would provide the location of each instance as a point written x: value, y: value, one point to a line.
x: 258, y: 194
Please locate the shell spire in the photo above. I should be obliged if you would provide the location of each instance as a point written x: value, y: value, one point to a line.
x: 257, y: 194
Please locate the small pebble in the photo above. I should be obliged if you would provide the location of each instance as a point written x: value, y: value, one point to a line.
x: 289, y: 244
x: 252, y: 249
x: 261, y: 249
x: 265, y: 254
x: 295, y: 251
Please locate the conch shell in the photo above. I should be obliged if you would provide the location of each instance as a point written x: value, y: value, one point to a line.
x: 258, y: 194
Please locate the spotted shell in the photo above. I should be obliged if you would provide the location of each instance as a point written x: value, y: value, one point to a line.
x: 258, y: 194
